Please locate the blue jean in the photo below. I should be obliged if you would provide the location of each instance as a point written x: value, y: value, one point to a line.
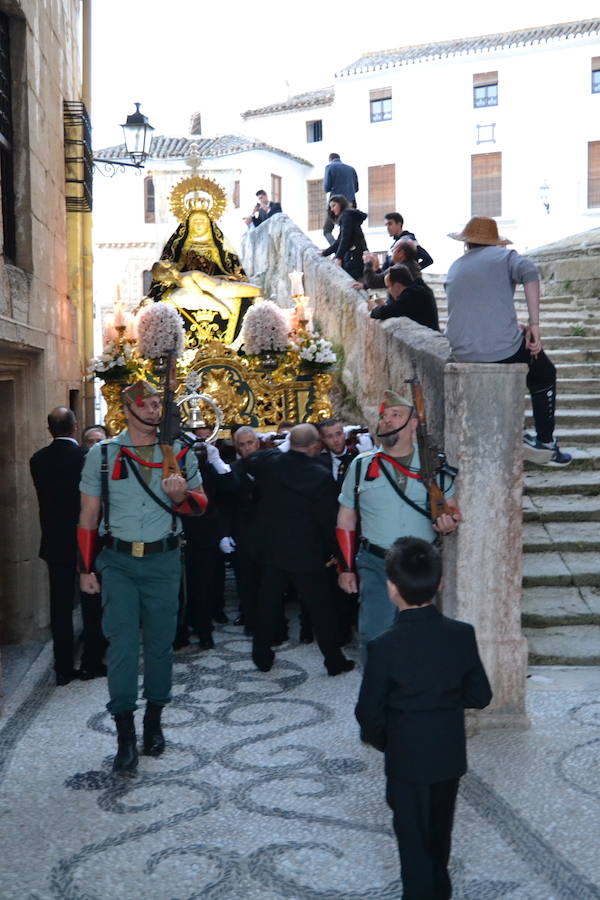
x: 376, y: 612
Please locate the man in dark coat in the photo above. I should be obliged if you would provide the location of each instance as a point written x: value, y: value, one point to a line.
x: 339, y: 178
x: 406, y: 297
x: 56, y: 470
x: 420, y: 676
x: 263, y: 210
x: 297, y: 504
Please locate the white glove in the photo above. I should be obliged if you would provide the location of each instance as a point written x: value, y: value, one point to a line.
x: 284, y: 446
x: 227, y: 545
x: 213, y: 457
x: 364, y: 443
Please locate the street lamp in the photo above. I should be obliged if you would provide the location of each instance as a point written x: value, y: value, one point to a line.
x: 137, y: 131
x: 545, y: 196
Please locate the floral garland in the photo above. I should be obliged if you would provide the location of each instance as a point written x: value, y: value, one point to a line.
x: 160, y: 330
x: 265, y: 329
x: 117, y: 360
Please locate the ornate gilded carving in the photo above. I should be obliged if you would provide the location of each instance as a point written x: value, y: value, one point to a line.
x: 114, y: 419
x: 196, y: 192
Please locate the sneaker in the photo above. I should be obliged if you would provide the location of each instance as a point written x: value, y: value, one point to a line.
x: 542, y: 454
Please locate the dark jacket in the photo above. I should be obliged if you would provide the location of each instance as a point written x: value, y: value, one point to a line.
x: 416, y: 302
x: 206, y: 531
x: 342, y: 179
x: 240, y: 509
x: 350, y: 243
x: 56, y: 471
x: 297, y: 509
x: 261, y: 215
x: 420, y: 676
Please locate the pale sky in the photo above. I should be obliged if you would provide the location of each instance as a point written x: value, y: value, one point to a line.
x: 224, y: 57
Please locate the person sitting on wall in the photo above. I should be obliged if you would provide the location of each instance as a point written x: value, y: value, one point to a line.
x: 350, y: 244
x: 406, y: 298
x: 263, y: 210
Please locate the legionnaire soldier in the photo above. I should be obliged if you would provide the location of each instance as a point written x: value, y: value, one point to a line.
x: 384, y: 493
x: 140, y: 562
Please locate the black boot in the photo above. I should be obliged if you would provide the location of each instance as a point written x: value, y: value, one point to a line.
x: 154, y: 740
x: 126, y: 760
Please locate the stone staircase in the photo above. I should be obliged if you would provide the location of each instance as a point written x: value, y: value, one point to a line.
x: 561, y: 507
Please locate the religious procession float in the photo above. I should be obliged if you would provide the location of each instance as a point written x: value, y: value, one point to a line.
x: 206, y: 335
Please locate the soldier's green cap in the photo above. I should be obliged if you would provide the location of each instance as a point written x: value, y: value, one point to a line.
x: 138, y: 392
x: 392, y: 398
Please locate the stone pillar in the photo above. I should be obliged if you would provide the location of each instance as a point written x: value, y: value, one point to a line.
x: 483, y: 562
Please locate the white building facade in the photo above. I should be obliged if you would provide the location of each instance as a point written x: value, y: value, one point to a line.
x: 505, y: 125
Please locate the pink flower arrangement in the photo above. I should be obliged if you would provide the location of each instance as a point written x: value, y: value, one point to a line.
x: 159, y: 330
x: 265, y: 329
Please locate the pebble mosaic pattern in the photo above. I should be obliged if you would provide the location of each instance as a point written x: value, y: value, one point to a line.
x: 265, y: 792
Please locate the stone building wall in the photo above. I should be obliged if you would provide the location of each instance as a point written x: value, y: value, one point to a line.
x: 570, y: 266
x: 474, y: 411
x: 39, y: 362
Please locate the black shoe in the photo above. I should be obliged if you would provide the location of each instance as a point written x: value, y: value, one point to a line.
x: 240, y: 620
x: 220, y: 618
x: 306, y: 636
x: 248, y: 631
x: 93, y: 672
x: 63, y: 678
x: 263, y: 659
x: 154, y: 739
x: 126, y: 760
x: 282, y: 637
x: 344, y: 665
x: 182, y: 638
x: 206, y: 643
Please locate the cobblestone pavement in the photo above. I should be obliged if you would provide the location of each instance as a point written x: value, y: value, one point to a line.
x: 266, y: 792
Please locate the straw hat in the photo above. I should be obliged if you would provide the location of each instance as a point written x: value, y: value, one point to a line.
x: 480, y: 230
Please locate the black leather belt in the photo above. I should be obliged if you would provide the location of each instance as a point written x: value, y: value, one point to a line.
x: 139, y: 548
x: 373, y: 548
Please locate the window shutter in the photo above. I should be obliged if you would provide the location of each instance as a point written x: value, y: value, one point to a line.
x: 594, y: 174
x: 381, y: 94
x: 483, y: 79
x: 382, y: 193
x: 315, y: 199
x: 486, y: 184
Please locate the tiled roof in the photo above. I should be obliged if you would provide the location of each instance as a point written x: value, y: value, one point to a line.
x: 383, y: 59
x: 163, y: 147
x: 309, y: 100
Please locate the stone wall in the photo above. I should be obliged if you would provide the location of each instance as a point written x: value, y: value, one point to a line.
x: 570, y: 266
x: 474, y: 411
x: 39, y: 361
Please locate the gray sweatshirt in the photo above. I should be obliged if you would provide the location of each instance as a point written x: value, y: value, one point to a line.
x: 482, y: 322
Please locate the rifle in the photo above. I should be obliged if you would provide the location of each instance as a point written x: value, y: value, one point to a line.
x: 432, y: 458
x: 170, y: 423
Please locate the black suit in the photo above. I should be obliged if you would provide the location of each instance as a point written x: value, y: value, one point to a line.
x: 56, y: 471
x: 240, y: 510
x: 261, y: 215
x: 296, y: 517
x: 420, y: 676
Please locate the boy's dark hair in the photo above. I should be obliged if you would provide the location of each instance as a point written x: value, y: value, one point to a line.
x: 400, y: 274
x: 394, y: 217
x: 333, y: 156
x: 325, y: 423
x: 261, y: 193
x: 414, y: 567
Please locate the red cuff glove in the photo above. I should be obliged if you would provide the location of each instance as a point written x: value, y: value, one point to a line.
x: 347, y: 543
x: 87, y: 541
x: 194, y: 504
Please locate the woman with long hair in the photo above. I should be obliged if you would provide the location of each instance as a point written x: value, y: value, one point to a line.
x: 350, y: 244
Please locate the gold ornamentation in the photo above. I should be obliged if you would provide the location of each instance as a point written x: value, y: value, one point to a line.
x: 114, y: 420
x: 205, y: 193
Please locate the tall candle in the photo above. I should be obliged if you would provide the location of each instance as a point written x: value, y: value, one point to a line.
x: 296, y: 280
x: 120, y: 320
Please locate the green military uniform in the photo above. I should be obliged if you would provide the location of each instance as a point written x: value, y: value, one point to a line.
x: 140, y: 567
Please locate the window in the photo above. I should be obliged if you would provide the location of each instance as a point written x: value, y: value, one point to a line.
x: 596, y: 75
x: 486, y: 184
x: 6, y: 143
x: 594, y: 174
x: 149, y: 200
x: 315, y: 200
x: 314, y: 131
x: 276, y: 188
x: 236, y: 195
x: 485, y: 89
x: 486, y: 134
x: 382, y: 192
x: 146, y: 281
x: 381, y: 105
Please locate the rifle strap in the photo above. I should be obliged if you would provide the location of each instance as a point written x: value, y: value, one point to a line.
x: 402, y: 495
x: 104, y: 484
x: 150, y: 492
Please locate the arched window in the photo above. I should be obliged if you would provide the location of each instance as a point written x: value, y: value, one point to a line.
x: 149, y: 204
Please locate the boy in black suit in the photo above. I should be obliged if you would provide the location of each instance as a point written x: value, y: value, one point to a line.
x: 420, y: 676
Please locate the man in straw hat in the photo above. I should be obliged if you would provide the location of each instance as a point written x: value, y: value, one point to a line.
x: 482, y: 324
x: 384, y: 490
x: 140, y: 562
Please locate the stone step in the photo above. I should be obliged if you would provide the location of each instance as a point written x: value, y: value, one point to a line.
x: 565, y: 481
x: 548, y: 606
x: 562, y: 537
x: 567, y: 418
x: 564, y: 645
x: 578, y: 385
x: 552, y: 342
x: 561, y: 508
x: 574, y: 401
x: 575, y: 354
x: 570, y: 567
x: 577, y: 436
x: 577, y: 370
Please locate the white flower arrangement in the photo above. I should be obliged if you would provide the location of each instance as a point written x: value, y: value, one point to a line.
x: 317, y: 351
x: 117, y: 360
x: 265, y: 329
x: 160, y: 330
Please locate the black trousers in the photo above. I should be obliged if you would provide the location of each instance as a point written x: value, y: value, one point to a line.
x: 62, y: 597
x: 94, y: 642
x: 313, y: 592
x: 205, y: 574
x: 247, y: 576
x: 541, y: 384
x: 423, y: 817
